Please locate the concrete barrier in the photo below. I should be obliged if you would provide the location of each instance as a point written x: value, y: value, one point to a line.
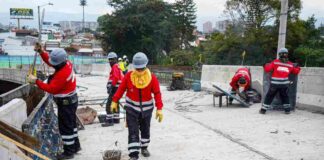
x: 14, y: 114
x: 310, y: 91
x: 100, y: 69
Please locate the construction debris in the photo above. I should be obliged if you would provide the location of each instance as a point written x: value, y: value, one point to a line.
x: 87, y: 115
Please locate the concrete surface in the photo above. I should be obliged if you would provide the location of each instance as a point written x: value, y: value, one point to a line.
x: 310, y: 91
x: 193, y: 129
x: 14, y: 114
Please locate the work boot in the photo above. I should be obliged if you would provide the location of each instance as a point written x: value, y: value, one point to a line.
x: 64, y: 156
x: 262, y: 111
x: 287, y: 111
x: 145, y: 152
x: 230, y: 102
x: 77, y: 150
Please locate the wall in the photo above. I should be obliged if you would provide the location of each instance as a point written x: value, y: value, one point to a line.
x: 13, y: 113
x: 310, y: 90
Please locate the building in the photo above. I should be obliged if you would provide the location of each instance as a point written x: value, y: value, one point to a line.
x: 77, y: 25
x: 208, y: 27
x: 221, y: 26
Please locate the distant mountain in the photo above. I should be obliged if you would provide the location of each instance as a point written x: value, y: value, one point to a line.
x: 50, y: 17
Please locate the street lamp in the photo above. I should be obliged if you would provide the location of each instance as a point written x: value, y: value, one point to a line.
x: 39, y: 22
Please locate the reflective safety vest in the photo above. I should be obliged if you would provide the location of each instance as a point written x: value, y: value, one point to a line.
x: 63, y: 82
x: 140, y: 100
x: 280, y: 71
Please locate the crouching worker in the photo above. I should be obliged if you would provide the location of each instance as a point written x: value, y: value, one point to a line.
x: 115, y: 78
x: 279, y: 83
x: 139, y: 85
x: 241, y: 84
x: 62, y: 85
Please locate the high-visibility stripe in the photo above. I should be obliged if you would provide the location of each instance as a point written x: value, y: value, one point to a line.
x: 145, y: 140
x: 135, y: 144
x: 133, y: 150
x: 286, y: 105
x: 144, y: 145
x: 137, y: 103
x: 148, y: 108
x: 275, y: 78
x: 75, y: 129
x: 67, y: 136
x: 265, y: 106
x: 65, y: 95
x: 283, y: 64
x: 137, y: 108
x: 68, y: 142
x: 278, y: 82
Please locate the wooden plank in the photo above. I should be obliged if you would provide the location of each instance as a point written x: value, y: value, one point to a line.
x: 14, y: 151
x: 18, y: 135
x: 29, y: 150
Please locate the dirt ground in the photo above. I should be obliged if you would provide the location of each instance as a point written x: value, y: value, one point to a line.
x: 193, y: 129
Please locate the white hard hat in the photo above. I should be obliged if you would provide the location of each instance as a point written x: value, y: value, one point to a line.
x: 140, y: 60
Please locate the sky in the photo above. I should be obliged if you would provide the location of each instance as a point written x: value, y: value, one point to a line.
x: 211, y: 10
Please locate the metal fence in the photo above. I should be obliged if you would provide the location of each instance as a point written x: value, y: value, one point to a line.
x: 165, y: 77
x: 7, y: 61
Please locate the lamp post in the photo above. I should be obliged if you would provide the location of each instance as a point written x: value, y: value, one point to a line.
x: 39, y: 21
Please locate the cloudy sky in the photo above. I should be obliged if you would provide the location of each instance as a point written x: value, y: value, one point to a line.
x: 206, y: 9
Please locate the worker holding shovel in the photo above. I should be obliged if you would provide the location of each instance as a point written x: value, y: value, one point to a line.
x: 62, y: 85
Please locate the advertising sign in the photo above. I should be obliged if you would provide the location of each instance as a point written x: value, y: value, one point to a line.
x: 21, y: 13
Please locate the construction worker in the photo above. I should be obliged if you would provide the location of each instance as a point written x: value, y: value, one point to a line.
x: 121, y: 65
x: 241, y: 84
x: 139, y: 86
x: 62, y: 85
x: 126, y: 63
x: 280, y: 68
x: 115, y: 78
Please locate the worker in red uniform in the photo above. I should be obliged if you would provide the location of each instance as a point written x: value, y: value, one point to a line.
x: 114, y: 80
x: 139, y: 85
x: 241, y: 84
x: 279, y: 83
x: 62, y: 85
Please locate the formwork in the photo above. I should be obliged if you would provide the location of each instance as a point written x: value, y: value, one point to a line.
x: 41, y: 122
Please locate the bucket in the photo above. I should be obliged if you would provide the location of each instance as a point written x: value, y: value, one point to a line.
x: 112, y: 155
x: 196, y: 86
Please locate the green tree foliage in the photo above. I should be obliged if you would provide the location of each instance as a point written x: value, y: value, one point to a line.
x: 255, y: 30
x: 149, y: 26
x: 185, y: 20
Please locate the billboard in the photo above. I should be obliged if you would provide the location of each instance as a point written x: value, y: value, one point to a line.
x: 21, y: 13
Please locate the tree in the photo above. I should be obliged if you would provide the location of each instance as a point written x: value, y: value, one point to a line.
x: 83, y: 3
x: 138, y: 25
x: 185, y: 16
x: 149, y: 26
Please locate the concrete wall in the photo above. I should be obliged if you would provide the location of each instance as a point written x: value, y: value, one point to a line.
x: 14, y: 114
x: 310, y: 91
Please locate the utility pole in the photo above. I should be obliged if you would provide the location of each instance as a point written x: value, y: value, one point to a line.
x: 39, y: 25
x: 283, y: 25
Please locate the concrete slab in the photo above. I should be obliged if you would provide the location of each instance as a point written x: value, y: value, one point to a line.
x: 14, y: 114
x: 194, y: 129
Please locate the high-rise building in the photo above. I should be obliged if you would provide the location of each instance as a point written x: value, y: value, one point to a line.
x: 208, y: 27
x: 222, y: 25
x: 77, y: 25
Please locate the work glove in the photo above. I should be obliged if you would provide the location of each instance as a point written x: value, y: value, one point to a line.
x: 38, y: 48
x: 159, y: 115
x: 114, y: 107
x: 31, y: 79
